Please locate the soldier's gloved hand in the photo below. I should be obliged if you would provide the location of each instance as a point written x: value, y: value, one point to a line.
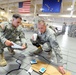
x: 8, y: 43
x: 35, y: 43
x: 61, y: 70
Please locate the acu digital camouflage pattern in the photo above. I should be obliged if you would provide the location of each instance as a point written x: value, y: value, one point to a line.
x: 7, y: 31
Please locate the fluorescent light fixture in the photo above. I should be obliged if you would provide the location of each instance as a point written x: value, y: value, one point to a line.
x: 26, y: 15
x: 74, y: 16
x: 41, y: 9
x: 69, y: 9
x: 2, y: 13
x: 45, y: 15
x: 10, y: 10
x: 64, y: 15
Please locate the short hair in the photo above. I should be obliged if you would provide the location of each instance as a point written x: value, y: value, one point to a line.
x: 42, y: 21
x: 17, y: 16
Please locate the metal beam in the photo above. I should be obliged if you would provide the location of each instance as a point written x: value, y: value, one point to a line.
x: 11, y: 1
x: 73, y: 3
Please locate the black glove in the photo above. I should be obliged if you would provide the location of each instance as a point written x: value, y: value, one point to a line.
x: 35, y: 43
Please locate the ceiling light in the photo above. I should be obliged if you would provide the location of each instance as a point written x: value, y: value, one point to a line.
x: 74, y: 16
x: 67, y: 16
x: 10, y: 10
x: 41, y: 9
x: 64, y: 15
x: 69, y: 9
x: 2, y: 13
x: 26, y: 15
x: 45, y: 15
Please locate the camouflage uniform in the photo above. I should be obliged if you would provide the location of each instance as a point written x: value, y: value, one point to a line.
x: 49, y: 38
x: 8, y: 32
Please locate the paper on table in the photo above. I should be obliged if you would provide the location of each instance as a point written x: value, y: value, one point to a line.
x: 16, y: 46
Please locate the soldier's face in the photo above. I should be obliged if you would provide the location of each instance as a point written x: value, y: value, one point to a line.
x: 16, y: 22
x: 41, y: 28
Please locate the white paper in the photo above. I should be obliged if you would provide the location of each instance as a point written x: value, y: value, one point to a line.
x: 16, y: 46
x: 34, y: 36
x: 30, y: 70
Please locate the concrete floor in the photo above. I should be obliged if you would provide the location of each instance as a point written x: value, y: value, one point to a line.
x: 19, y: 64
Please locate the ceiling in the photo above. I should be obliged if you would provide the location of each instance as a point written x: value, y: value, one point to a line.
x: 36, y: 5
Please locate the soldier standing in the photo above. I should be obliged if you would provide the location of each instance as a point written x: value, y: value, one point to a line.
x: 64, y: 28
x: 10, y: 32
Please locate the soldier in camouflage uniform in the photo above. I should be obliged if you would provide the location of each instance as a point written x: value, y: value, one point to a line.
x: 46, y: 35
x: 11, y: 32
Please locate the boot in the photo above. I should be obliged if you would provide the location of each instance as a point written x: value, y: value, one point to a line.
x: 2, y: 60
x: 39, y: 50
x: 12, y: 52
x: 49, y: 53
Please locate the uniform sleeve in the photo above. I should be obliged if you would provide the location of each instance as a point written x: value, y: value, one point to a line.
x: 56, y: 49
x: 2, y: 37
x: 22, y: 36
